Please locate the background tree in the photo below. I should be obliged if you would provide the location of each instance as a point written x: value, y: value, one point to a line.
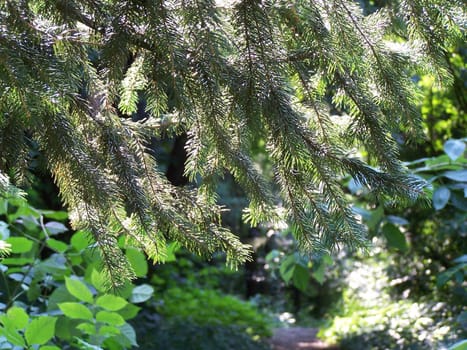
x: 310, y: 80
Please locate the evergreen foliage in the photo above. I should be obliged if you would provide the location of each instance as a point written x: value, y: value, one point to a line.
x: 229, y: 74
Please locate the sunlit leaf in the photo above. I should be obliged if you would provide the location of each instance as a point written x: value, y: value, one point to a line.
x: 111, y: 318
x: 20, y: 244
x: 75, y: 310
x: 56, y: 245
x: 40, y: 330
x: 78, y: 289
x: 18, y: 317
x: 111, y: 302
x: 138, y: 261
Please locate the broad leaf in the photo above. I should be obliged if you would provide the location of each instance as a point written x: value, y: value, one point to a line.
x: 129, y: 311
x: 441, y: 197
x: 98, y: 280
x: 18, y: 318
x: 14, y: 337
x: 301, y: 277
x: 454, y: 148
x: 141, y: 293
x: 128, y: 332
x: 287, y: 268
x: 20, y: 244
x: 394, y: 237
x: 56, y: 245
x: 87, y: 328
x: 76, y: 310
x: 78, y: 289
x: 109, y: 331
x: 111, y: 318
x: 456, y: 175
x: 80, y: 240
x: 40, y: 330
x: 138, y: 261
x: 55, y: 228
x: 111, y: 302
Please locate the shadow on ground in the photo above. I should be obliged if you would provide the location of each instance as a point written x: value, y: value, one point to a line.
x: 298, y: 338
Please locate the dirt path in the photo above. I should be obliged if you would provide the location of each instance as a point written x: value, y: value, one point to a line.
x: 298, y: 339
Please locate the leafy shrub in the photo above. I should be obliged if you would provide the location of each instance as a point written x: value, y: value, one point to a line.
x: 53, y: 293
x: 181, y: 334
x: 409, y: 294
x: 369, y: 319
x: 209, y: 307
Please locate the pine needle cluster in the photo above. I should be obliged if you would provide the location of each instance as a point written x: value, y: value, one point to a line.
x: 227, y: 73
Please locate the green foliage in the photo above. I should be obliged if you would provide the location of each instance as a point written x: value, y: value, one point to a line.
x: 59, y: 299
x: 368, y: 318
x: 228, y: 76
x: 208, y: 307
x: 181, y: 334
x: 413, y: 289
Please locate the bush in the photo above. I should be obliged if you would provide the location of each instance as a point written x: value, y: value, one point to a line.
x: 210, y: 308
x: 181, y: 334
x: 53, y: 295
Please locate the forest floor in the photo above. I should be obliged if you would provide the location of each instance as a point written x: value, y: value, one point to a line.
x: 298, y: 338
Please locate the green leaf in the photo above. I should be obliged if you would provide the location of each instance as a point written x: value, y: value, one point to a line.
x: 456, y: 175
x: 141, y: 293
x: 98, y: 280
x: 14, y: 337
x: 65, y: 328
x: 394, y: 237
x: 111, y: 302
x: 129, y: 311
x: 287, y: 268
x: 319, y: 273
x: 138, y: 261
x: 75, y: 310
x: 87, y: 328
x: 17, y: 261
x: 441, y: 197
x: 18, y: 317
x: 49, y: 347
x: 56, y: 245
x: 454, y: 148
x: 447, y: 275
x: 301, y: 277
x: 59, y: 295
x: 78, y: 289
x: 129, y: 333
x: 40, y: 330
x: 55, y: 215
x: 55, y: 228
x: 20, y: 244
x: 80, y: 240
x: 111, y: 318
x: 172, y: 248
x: 109, y: 331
